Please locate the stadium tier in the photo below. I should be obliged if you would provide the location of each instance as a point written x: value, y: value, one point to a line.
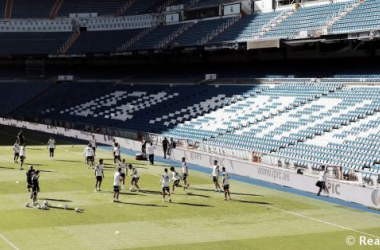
x: 314, y: 123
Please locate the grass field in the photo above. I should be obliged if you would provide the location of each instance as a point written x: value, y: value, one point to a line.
x: 256, y: 218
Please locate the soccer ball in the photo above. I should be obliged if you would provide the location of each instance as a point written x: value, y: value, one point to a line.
x: 46, y: 203
x: 27, y: 204
x: 66, y: 207
x: 39, y: 206
x: 77, y: 209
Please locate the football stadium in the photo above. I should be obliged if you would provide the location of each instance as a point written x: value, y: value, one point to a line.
x: 192, y: 124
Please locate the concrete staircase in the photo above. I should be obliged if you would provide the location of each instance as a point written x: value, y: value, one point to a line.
x: 71, y: 40
x: 54, y: 11
x: 174, y: 35
x: 125, y: 7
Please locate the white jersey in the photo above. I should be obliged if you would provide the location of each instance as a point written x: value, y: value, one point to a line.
x: 185, y: 170
x: 176, y: 176
x: 22, y: 151
x: 226, y: 178
x: 151, y: 150
x: 93, y: 143
x: 51, y: 143
x: 135, y: 173
x: 215, y: 171
x: 165, y: 179
x: 88, y: 152
x: 116, y: 179
x: 123, y: 167
x: 116, y: 150
x: 16, y: 148
x: 99, y: 169
x: 322, y: 176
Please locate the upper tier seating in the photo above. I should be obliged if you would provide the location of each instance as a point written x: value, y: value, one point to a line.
x: 246, y: 28
x: 207, y: 3
x: 197, y: 32
x: 305, y: 19
x: 144, y: 6
x: 108, y: 7
x: 32, y: 9
x: 365, y: 17
x: 102, y: 41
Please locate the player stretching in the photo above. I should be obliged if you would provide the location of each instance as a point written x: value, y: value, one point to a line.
x: 16, y: 150
x: 22, y: 156
x: 226, y: 184
x: 185, y: 174
x: 29, y: 183
x: 99, y: 175
x: 89, y: 154
x: 116, y: 185
x: 123, y: 172
x: 176, y: 178
x: 51, y: 147
x: 135, y: 178
x: 35, y: 186
x: 215, y: 176
x: 116, y: 153
x: 165, y: 180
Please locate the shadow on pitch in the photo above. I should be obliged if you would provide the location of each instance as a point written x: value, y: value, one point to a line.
x: 57, y: 200
x: 9, y: 168
x: 198, y: 195
x: 69, y: 161
x: 254, y: 202
x: 122, y: 193
x: 211, y: 190
x: 143, y: 205
x: 150, y: 192
x: 192, y: 204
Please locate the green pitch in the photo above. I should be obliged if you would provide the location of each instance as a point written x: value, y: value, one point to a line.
x: 256, y: 218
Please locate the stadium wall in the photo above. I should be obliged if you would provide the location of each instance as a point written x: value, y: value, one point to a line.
x: 366, y: 196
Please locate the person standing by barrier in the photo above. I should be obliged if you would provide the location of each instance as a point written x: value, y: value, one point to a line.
x: 165, y: 144
x: 322, y: 181
x: 151, y: 153
x: 143, y: 146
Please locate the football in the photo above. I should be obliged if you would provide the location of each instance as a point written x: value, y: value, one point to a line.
x: 66, y: 207
x: 77, y: 209
x: 27, y: 204
x: 46, y: 203
x: 39, y: 206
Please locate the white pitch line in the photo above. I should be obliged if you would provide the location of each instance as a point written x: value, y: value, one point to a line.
x: 9, y: 242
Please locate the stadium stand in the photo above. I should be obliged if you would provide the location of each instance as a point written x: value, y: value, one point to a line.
x: 305, y: 19
x: 101, y: 41
x: 144, y: 6
x: 108, y: 7
x: 32, y: 43
x: 364, y: 17
x: 14, y: 94
x: 32, y: 9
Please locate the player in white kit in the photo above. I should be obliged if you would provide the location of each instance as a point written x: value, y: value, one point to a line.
x: 16, y: 152
x: 116, y: 153
x: 99, y: 175
x: 165, y: 181
x: 124, y: 171
x: 135, y: 178
x: 185, y: 174
x: 215, y: 176
x: 89, y: 155
x: 51, y: 147
x: 22, y: 156
x: 226, y: 184
x: 176, y: 178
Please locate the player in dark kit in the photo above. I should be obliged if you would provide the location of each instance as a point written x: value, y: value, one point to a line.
x: 35, y: 186
x: 29, y: 175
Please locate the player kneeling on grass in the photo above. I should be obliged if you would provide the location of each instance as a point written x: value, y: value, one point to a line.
x: 185, y: 173
x: 215, y: 176
x: 176, y: 178
x: 226, y: 184
x: 99, y: 175
x: 35, y: 186
x: 89, y: 154
x: 22, y: 156
x: 165, y: 180
x: 116, y: 185
x: 123, y: 172
x: 135, y: 178
x: 16, y: 152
